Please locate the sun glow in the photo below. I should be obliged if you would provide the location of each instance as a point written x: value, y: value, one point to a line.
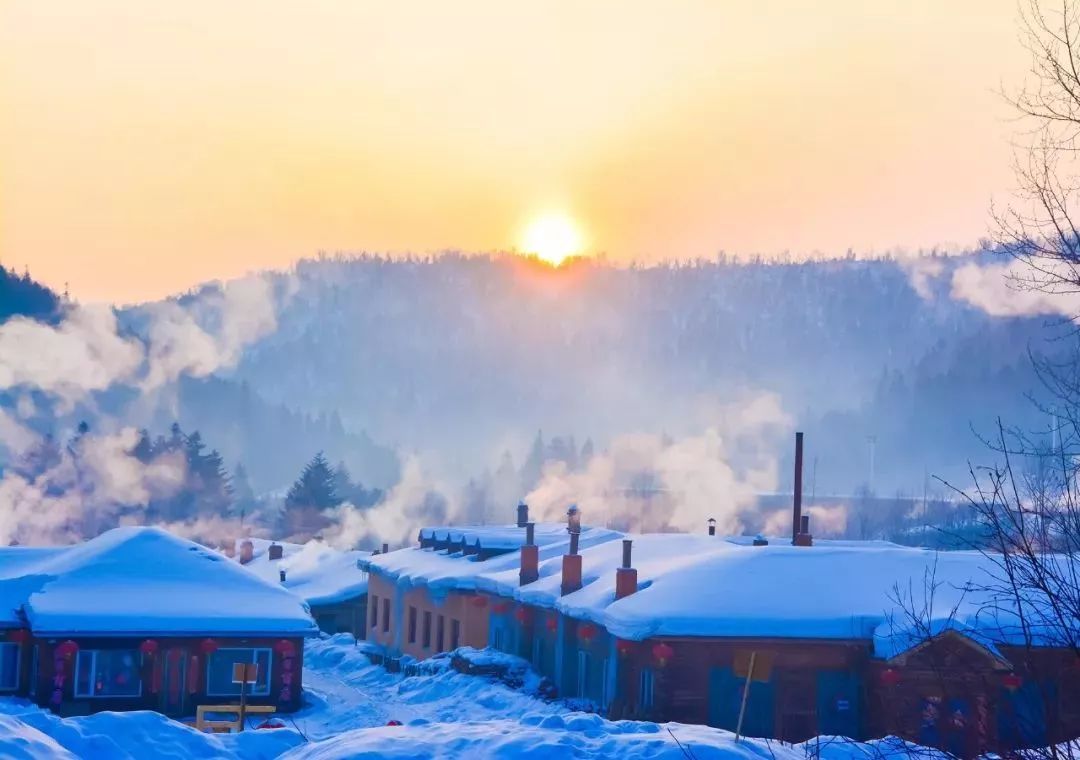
x: 553, y: 238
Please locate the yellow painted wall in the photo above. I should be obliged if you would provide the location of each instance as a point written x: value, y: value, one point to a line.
x: 454, y: 606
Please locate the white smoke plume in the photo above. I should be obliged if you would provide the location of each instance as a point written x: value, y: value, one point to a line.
x: 922, y: 271
x: 103, y: 484
x: 646, y: 483
x: 415, y: 501
x: 1007, y: 290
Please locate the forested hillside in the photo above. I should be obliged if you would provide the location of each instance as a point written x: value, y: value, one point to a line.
x: 468, y: 356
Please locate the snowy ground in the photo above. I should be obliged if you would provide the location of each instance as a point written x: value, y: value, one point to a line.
x: 350, y: 701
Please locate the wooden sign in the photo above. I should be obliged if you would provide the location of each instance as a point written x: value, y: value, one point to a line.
x: 763, y: 664
x: 245, y: 672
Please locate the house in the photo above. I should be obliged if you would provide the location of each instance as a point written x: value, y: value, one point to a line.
x: 434, y: 597
x: 822, y: 638
x: 138, y: 618
x: 332, y: 582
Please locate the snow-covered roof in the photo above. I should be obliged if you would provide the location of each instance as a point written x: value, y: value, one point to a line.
x: 314, y: 571
x: 696, y: 585
x: 146, y: 581
x: 441, y: 571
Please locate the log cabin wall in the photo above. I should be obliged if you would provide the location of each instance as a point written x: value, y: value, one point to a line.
x: 172, y: 680
x: 800, y: 689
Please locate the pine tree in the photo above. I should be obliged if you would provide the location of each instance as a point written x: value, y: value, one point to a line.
x: 534, y: 463
x: 314, y: 487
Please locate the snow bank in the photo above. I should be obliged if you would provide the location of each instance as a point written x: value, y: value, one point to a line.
x: 143, y: 581
x: 28, y: 731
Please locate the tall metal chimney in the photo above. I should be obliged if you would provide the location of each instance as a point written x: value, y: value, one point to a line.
x: 796, y: 521
x: 522, y: 514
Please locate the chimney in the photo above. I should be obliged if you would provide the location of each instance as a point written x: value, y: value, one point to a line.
x: 281, y: 575
x: 625, y: 576
x: 275, y: 551
x: 386, y: 548
x: 522, y: 514
x: 229, y: 547
x: 796, y: 519
x: 571, y: 563
x: 804, y: 538
x: 760, y: 540
x: 530, y: 557
x: 247, y: 552
x: 712, y: 526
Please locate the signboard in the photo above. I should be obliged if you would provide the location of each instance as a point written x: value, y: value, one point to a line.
x: 763, y: 664
x: 245, y: 672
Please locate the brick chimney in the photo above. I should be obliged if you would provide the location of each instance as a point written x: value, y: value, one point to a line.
x: 804, y: 538
x: 530, y: 557
x: 247, y: 552
x: 275, y: 551
x: 625, y: 576
x: 522, y: 514
x: 386, y: 548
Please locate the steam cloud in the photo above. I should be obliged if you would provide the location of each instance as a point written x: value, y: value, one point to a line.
x: 85, y: 353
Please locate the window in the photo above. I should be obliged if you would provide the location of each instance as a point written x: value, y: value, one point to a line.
x: 385, y: 615
x: 107, y: 673
x: 219, y: 672
x: 9, y: 665
x: 412, y: 625
x: 645, y: 689
x: 427, y: 629
x: 538, y: 654
x: 455, y: 633
x: 497, y: 638
x: 440, y: 635
x: 374, y: 612
x: 583, y: 662
x: 605, y: 673
x: 34, y: 665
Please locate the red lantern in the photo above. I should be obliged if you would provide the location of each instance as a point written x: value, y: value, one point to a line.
x: 1012, y: 681
x: 586, y: 632
x: 521, y: 614
x: 18, y: 635
x: 208, y: 646
x: 148, y: 647
x: 890, y: 677
x: 552, y: 623
x: 285, y: 648
x: 624, y: 647
x: 67, y: 649
x: 478, y: 601
x: 500, y: 607
x: 662, y: 653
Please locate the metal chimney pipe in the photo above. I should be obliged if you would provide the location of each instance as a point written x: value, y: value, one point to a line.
x: 574, y: 542
x: 281, y: 574
x: 522, y: 514
x: 385, y: 548
x: 805, y: 525
x: 796, y: 522
x: 530, y: 533
x: 626, y: 544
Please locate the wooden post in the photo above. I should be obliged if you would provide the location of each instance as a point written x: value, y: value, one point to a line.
x: 745, y: 695
x: 243, y: 702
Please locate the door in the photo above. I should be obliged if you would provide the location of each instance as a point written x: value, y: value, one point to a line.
x: 838, y: 708
x: 174, y: 682
x: 725, y: 699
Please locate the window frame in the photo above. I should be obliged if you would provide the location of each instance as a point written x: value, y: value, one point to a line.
x: 251, y: 692
x: 584, y: 660
x: 455, y: 633
x: 646, y: 688
x: 412, y: 624
x: 440, y: 633
x: 374, y: 612
x: 386, y: 614
x: 18, y: 665
x: 427, y: 629
x: 93, y: 653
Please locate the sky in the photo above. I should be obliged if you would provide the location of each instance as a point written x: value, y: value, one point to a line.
x: 147, y: 147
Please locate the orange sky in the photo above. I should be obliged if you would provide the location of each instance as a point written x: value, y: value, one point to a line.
x: 145, y: 146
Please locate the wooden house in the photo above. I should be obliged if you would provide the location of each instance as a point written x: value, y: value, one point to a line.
x: 140, y: 619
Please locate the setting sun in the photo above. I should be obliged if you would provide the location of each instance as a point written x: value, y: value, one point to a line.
x: 553, y: 238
